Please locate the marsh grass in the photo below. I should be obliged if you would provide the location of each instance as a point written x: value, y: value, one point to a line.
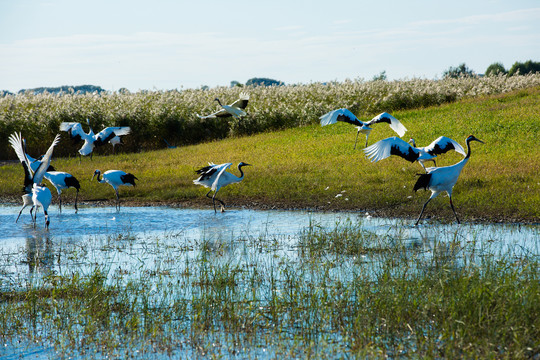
x: 336, y: 291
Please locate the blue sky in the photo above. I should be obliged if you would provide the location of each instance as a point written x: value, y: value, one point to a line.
x: 166, y: 44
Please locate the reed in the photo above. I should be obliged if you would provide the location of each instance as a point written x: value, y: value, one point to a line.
x: 172, y: 115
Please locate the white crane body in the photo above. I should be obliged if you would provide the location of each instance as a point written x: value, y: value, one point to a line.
x: 396, y: 146
x: 347, y: 116
x: 62, y: 180
x: 441, y: 179
x: 236, y: 109
x: 115, y: 178
x: 40, y: 194
x: 215, y: 177
x: 108, y: 135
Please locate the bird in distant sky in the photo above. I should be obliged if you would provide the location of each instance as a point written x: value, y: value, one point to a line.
x: 363, y: 127
x: 91, y: 140
x: 115, y: 178
x: 215, y: 177
x: 236, y: 109
x: 396, y: 146
x: 439, y: 179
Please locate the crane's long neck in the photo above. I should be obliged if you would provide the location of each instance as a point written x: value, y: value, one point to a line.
x: 241, y: 173
x: 99, y: 177
x: 462, y: 163
x: 219, y: 102
x: 468, y: 149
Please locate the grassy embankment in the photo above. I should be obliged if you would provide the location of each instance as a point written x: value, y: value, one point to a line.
x: 307, y: 167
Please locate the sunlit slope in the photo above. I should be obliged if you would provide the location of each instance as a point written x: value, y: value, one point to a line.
x: 316, y: 167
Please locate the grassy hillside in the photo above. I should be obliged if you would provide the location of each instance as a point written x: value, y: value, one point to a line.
x: 307, y: 167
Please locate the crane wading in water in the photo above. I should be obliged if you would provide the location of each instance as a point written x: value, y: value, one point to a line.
x: 39, y: 194
x: 215, y: 177
x: 439, y: 179
x: 115, y: 178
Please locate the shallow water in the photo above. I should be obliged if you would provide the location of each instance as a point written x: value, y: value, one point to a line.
x: 176, y: 226
x: 115, y: 239
x: 197, y: 223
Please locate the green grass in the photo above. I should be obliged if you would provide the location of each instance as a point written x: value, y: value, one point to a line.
x: 306, y: 167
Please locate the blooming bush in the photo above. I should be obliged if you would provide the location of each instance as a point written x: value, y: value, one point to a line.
x: 172, y: 115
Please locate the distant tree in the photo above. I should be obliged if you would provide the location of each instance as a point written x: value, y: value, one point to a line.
x: 235, y: 83
x: 524, y: 68
x: 380, y: 76
x: 124, y: 91
x: 81, y: 89
x: 460, y: 71
x: 495, y: 69
x: 264, y: 82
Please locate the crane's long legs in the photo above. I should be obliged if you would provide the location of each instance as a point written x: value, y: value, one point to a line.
x: 355, y: 141
x: 20, y: 212
x: 46, y: 219
x: 214, y: 198
x: 117, y: 199
x: 60, y: 202
x: 422, y: 212
x: 454, y: 210
x: 34, y: 215
x: 76, y: 197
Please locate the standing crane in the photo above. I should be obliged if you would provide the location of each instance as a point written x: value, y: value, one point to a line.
x: 236, y: 109
x: 396, y: 146
x: 62, y: 180
x: 41, y: 196
x: 439, y: 179
x: 363, y: 127
x: 108, y: 135
x: 215, y: 177
x: 115, y: 178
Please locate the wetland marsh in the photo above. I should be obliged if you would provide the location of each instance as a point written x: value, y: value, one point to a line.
x: 162, y: 282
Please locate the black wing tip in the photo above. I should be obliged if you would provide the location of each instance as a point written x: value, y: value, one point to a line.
x: 422, y: 182
x: 129, y: 179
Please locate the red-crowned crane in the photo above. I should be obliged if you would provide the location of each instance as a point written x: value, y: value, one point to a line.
x: 439, y: 179
x: 115, y: 178
x: 41, y: 196
x: 215, y: 177
x: 59, y: 179
x: 235, y: 109
x: 110, y: 134
x: 363, y: 127
x: 62, y: 180
x: 396, y: 146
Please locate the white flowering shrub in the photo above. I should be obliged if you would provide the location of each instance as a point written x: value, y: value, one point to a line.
x: 172, y: 115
